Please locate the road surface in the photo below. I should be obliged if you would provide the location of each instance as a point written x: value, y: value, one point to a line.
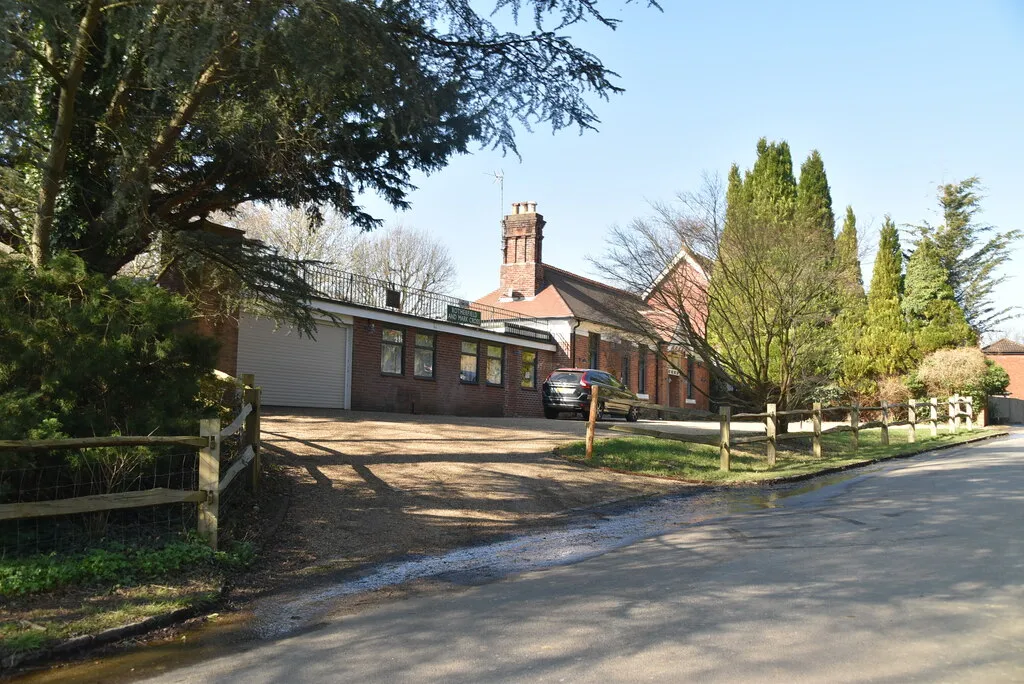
x: 911, y: 573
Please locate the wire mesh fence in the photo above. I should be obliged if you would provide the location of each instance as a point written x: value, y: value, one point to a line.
x: 68, y: 474
x: 69, y: 494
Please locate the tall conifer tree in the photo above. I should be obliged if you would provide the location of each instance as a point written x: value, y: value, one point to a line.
x: 849, y: 324
x: 971, y: 258
x: 770, y: 185
x: 885, y: 345
x: 814, y: 199
x: 934, y: 317
x: 848, y: 255
x: 769, y: 304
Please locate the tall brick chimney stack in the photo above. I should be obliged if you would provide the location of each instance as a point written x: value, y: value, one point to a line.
x: 522, y: 232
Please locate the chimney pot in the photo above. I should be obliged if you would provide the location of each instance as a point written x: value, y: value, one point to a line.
x: 533, y: 207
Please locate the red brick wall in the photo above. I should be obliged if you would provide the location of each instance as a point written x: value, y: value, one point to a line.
x: 444, y: 393
x: 224, y: 329
x: 1013, y: 364
x: 658, y: 387
x: 521, y: 268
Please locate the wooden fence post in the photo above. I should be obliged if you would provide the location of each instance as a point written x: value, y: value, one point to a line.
x: 724, y: 416
x: 969, y: 406
x: 209, y: 480
x: 912, y: 419
x: 816, y: 421
x: 770, y: 427
x: 885, y: 422
x: 950, y: 415
x: 933, y: 415
x: 956, y: 422
x: 855, y: 426
x: 592, y: 420
x: 252, y: 395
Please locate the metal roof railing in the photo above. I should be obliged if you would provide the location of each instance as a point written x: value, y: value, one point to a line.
x: 340, y: 286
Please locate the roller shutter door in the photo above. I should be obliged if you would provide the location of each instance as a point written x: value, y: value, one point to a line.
x: 295, y: 370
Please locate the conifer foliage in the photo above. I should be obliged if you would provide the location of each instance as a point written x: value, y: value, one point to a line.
x: 932, y: 313
x: 128, y: 124
x: 885, y: 344
x: 970, y: 252
x: 848, y: 255
x: 814, y: 199
x: 788, y: 319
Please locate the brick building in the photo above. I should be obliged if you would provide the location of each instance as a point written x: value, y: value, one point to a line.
x: 1009, y: 355
x: 590, y: 322
x: 379, y: 347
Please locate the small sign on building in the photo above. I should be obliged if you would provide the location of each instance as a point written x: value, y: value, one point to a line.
x: 456, y: 314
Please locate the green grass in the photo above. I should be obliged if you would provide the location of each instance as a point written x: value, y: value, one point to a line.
x: 49, y: 598
x: 700, y: 462
x: 43, y: 622
x: 115, y: 565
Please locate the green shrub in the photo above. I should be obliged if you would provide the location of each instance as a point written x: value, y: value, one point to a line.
x: 83, y: 355
x: 963, y: 371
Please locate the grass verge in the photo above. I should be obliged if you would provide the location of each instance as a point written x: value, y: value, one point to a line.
x: 48, y: 599
x: 699, y: 462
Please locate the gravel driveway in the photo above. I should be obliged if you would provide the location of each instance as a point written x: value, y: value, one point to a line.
x: 371, y: 486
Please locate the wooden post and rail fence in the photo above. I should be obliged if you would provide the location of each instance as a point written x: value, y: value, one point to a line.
x: 956, y: 407
x: 212, y: 482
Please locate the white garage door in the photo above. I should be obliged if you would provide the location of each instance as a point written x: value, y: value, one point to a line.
x: 295, y: 370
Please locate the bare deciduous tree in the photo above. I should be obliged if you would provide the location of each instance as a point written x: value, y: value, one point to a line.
x: 409, y: 258
x: 750, y: 301
x: 296, y: 233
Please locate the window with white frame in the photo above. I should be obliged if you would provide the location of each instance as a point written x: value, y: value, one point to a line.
x: 423, y: 356
x: 468, y: 362
x: 495, y: 364
x: 391, y: 345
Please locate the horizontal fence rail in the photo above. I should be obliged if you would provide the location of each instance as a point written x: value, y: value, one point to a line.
x: 919, y: 412
x: 211, y: 483
x: 96, y: 503
x: 93, y: 442
x: 340, y: 286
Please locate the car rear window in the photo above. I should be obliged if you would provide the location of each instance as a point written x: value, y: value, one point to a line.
x: 565, y: 378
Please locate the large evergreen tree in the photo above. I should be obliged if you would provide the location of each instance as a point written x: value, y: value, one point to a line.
x: 127, y: 124
x: 849, y: 324
x: 814, y: 199
x: 768, y: 300
x: 885, y: 345
x: 770, y: 186
x: 934, y: 317
x: 848, y: 255
x: 972, y: 253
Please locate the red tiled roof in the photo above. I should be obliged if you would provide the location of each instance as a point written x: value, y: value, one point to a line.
x: 1004, y: 346
x: 566, y: 295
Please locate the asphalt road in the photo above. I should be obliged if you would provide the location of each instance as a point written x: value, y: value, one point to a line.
x: 912, y: 573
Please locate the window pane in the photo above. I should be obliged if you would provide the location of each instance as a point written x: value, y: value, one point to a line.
x: 392, y: 335
x: 494, y: 371
x: 469, y: 348
x: 529, y: 379
x: 493, y: 352
x: 425, y: 341
x: 390, y: 358
x: 467, y: 372
x: 424, y: 363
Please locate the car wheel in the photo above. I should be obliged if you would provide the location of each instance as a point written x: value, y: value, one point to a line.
x: 633, y: 414
x: 550, y: 412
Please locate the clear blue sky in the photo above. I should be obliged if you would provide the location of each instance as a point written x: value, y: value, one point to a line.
x: 897, y: 96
